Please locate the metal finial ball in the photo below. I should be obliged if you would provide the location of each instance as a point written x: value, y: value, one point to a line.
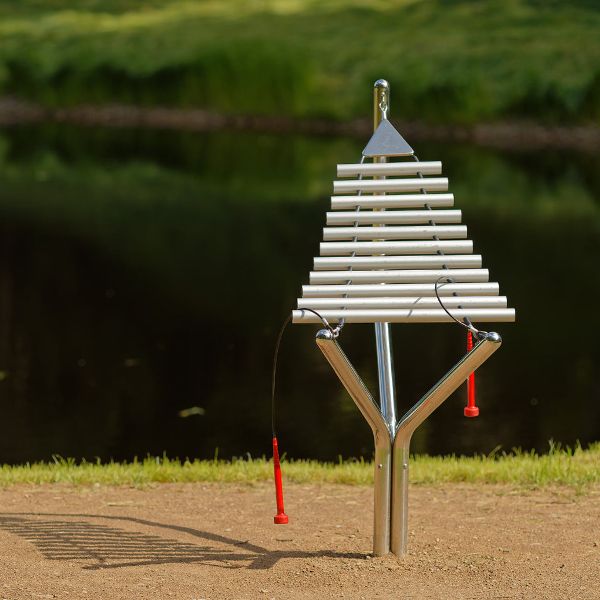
x: 492, y: 336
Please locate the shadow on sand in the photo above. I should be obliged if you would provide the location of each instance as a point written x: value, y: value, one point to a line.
x: 69, y: 537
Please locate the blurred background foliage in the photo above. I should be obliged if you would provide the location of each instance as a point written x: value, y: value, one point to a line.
x: 145, y: 272
x: 450, y: 60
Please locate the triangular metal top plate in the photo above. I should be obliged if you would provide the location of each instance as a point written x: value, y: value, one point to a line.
x: 386, y: 141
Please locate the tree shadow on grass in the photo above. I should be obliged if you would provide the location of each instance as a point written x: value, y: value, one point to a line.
x: 62, y: 536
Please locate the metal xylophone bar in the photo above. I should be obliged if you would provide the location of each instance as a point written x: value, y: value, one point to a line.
x: 483, y: 288
x: 392, y: 201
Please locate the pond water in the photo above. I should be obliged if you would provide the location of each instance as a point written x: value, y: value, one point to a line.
x: 145, y: 273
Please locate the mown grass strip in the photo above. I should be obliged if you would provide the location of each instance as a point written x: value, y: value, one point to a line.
x: 566, y: 467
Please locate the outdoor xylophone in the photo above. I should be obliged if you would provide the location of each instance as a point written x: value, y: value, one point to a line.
x: 394, y: 251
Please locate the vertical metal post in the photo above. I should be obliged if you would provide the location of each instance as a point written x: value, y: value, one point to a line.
x: 399, y: 518
x: 383, y: 336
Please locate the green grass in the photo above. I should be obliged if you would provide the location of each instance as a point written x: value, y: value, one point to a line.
x: 448, y: 60
x: 564, y: 467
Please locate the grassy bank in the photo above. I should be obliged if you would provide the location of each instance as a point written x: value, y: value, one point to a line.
x: 458, y: 61
x: 558, y: 467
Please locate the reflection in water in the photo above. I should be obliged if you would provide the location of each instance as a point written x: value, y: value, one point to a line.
x: 145, y: 273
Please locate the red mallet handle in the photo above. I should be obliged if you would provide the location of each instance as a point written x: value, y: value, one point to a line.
x: 470, y: 409
x: 280, y: 518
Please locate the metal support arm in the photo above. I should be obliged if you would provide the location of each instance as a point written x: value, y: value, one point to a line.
x: 381, y: 434
x: 413, y: 418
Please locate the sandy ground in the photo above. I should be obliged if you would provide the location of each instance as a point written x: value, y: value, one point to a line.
x: 195, y: 541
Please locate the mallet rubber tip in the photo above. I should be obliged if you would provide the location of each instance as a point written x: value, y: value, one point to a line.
x: 471, y: 411
x: 281, y: 519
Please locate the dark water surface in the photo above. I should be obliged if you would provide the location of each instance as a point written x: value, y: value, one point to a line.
x: 145, y: 273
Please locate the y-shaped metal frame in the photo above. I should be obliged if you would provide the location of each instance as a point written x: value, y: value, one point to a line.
x: 392, y: 445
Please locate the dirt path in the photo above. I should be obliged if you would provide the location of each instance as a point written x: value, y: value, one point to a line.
x: 211, y: 542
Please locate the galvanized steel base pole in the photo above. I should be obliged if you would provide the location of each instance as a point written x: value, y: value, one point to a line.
x: 383, y: 341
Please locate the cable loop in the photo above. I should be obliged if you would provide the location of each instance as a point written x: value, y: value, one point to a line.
x: 478, y: 333
x: 335, y: 331
x: 383, y: 107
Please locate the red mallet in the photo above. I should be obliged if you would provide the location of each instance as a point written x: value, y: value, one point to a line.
x: 280, y: 518
x: 470, y: 409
